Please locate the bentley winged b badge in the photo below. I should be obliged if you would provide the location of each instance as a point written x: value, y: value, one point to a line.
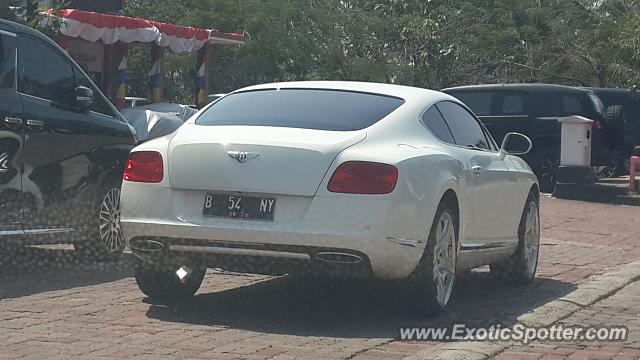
x: 242, y: 156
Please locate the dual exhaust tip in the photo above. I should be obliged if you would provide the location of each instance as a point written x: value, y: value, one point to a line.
x: 153, y: 246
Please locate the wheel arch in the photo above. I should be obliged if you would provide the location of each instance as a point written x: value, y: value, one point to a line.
x: 535, y: 190
x: 449, y: 195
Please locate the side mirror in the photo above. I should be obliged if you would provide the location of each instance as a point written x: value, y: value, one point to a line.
x: 515, y: 144
x: 84, y: 98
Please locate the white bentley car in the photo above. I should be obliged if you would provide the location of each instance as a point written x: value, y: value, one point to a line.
x: 331, y: 178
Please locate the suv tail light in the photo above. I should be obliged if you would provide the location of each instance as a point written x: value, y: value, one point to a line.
x: 596, y: 124
x: 144, y: 166
x: 363, y: 177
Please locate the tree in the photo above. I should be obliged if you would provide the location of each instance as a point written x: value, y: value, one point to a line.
x: 432, y: 44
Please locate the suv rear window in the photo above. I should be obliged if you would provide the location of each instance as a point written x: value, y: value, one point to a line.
x: 334, y: 110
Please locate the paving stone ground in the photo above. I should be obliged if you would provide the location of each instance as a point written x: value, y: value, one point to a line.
x: 621, y: 309
x: 54, y: 304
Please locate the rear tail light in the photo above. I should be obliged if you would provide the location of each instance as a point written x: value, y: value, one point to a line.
x: 596, y: 125
x: 363, y: 177
x: 144, y: 166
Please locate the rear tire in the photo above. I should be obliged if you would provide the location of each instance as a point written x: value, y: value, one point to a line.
x: 434, y: 278
x: 520, y: 268
x: 162, y: 283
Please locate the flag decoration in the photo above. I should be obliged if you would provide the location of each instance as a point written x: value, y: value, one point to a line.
x: 110, y: 29
x: 155, y: 75
x: 201, y: 78
x: 122, y: 79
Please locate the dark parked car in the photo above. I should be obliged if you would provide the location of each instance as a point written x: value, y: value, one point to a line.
x: 63, y: 148
x: 623, y: 115
x: 534, y: 110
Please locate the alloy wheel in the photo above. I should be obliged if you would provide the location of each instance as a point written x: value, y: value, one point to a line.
x: 444, y: 258
x: 110, y: 232
x: 531, y: 238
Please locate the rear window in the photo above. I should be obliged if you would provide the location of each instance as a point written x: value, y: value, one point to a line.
x: 333, y: 110
x: 478, y: 102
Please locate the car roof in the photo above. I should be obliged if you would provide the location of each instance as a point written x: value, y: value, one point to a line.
x: 19, y: 28
x: 537, y: 88
x: 22, y: 29
x: 609, y: 90
x: 405, y: 92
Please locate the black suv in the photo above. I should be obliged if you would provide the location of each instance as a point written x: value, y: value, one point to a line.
x: 534, y: 110
x: 63, y: 148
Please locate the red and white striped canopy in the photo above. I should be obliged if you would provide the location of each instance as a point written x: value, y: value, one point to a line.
x: 109, y: 29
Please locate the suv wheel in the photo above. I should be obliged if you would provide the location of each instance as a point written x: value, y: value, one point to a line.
x: 547, y: 172
x: 615, y: 118
x: 166, y: 283
x: 104, y: 239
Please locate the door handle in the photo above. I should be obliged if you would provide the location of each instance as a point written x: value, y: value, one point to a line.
x: 35, y: 124
x: 476, y: 169
x: 13, y: 122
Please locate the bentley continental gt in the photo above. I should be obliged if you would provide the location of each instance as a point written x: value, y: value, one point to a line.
x: 331, y: 178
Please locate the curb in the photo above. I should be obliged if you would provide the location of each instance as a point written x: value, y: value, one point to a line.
x: 596, y: 288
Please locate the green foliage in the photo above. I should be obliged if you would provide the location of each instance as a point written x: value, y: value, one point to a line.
x: 30, y: 13
x: 425, y: 43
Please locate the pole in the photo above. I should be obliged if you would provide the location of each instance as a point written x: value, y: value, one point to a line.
x: 155, y: 75
x: 121, y: 80
x: 202, y: 76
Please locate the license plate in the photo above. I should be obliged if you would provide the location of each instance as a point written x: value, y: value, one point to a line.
x: 239, y: 207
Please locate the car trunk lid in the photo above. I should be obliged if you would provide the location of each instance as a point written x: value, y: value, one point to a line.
x: 274, y: 160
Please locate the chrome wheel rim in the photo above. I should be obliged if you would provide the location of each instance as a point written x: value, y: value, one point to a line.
x: 110, y: 232
x: 444, y: 258
x: 531, y: 237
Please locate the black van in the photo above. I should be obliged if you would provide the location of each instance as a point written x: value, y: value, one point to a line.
x: 63, y: 148
x: 534, y: 110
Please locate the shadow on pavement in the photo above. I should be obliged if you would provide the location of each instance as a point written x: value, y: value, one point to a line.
x: 31, y: 270
x: 352, y: 308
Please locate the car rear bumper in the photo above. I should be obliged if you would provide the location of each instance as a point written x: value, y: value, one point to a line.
x: 381, y: 233
x: 253, y: 258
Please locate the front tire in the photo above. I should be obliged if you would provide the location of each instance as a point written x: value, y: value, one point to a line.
x: 166, y: 283
x: 520, y: 268
x: 434, y: 279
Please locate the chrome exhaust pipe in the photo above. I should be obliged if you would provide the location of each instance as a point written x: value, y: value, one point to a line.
x: 146, y: 246
x: 338, y: 257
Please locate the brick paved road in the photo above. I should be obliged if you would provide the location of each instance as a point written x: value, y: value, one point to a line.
x: 623, y: 308
x: 55, y: 305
